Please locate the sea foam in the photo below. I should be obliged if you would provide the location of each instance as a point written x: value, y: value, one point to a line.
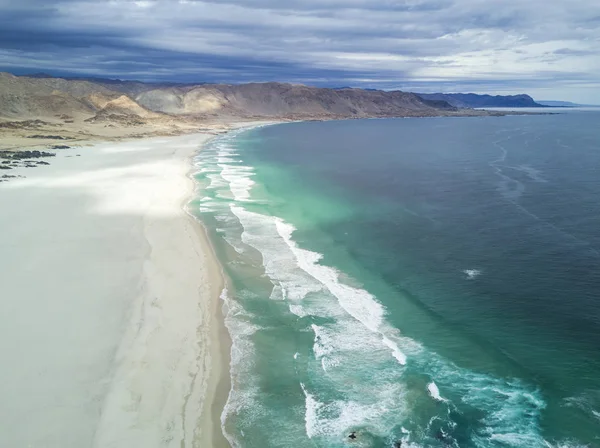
x: 350, y: 343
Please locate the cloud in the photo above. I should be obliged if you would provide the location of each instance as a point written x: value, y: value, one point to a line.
x: 504, y: 46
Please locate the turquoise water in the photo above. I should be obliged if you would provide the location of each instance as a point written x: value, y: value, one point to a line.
x: 410, y: 282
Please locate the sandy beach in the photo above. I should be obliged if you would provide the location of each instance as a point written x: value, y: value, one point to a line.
x: 110, y: 296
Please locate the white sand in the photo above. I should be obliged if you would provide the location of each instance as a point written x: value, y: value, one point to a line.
x: 108, y: 290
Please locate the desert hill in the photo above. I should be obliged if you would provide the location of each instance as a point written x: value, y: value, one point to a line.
x: 27, y: 97
x: 40, y: 106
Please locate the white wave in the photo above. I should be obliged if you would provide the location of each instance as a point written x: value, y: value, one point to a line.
x: 208, y: 206
x: 330, y: 363
x: 216, y: 182
x: 352, y: 341
x: 351, y: 348
x: 359, y: 303
x: 239, y: 179
x: 333, y: 344
x: 434, y: 391
x: 472, y: 273
x: 401, y: 357
x: 222, y: 159
x: 511, y: 409
x: 239, y: 327
x: 298, y: 310
x: 310, y: 415
x: 334, y: 418
x: 208, y: 169
x: 260, y: 232
x: 324, y: 342
x: 234, y: 243
x: 277, y: 293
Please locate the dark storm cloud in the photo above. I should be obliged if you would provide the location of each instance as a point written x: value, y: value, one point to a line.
x: 427, y: 44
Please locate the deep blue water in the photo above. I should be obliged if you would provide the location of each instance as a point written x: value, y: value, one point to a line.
x: 430, y: 282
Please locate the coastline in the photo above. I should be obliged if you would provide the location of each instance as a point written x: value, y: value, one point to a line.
x: 218, y: 384
x: 219, y: 381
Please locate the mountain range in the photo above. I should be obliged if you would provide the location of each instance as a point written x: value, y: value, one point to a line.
x: 89, y: 108
x: 43, y: 96
x: 472, y: 100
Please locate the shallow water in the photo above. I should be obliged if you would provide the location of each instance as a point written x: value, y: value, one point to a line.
x: 426, y: 281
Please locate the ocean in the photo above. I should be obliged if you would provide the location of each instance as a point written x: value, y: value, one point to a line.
x: 410, y: 282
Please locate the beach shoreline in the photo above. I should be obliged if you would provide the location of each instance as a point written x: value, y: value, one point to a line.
x: 220, y: 379
x: 127, y: 280
x: 220, y: 346
x: 218, y: 384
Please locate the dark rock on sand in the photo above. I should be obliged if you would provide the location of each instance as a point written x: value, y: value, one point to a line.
x: 52, y: 137
x: 22, y: 155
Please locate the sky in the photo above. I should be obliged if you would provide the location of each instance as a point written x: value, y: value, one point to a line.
x: 547, y: 48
